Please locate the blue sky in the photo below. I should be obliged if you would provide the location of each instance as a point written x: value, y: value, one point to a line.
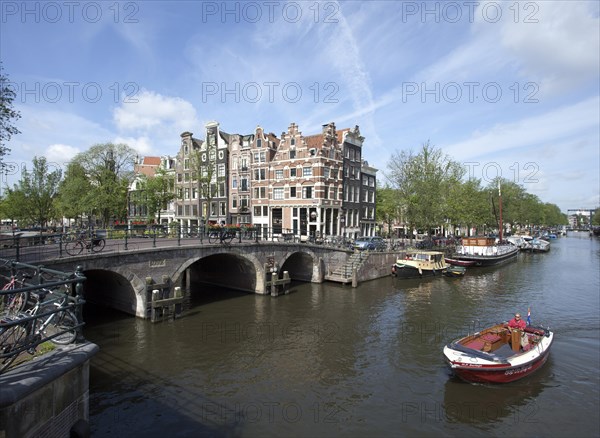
x: 506, y: 88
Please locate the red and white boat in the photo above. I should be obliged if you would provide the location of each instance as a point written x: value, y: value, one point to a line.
x: 498, y: 354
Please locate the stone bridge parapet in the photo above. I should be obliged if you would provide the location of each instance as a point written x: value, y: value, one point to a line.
x: 120, y: 279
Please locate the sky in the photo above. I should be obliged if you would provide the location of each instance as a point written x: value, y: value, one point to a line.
x: 508, y: 89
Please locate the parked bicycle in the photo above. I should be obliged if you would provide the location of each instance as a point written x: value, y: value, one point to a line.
x: 94, y: 244
x: 221, y: 236
x: 13, y: 303
x: 51, y: 320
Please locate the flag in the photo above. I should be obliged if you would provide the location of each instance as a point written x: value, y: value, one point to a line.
x: 529, y: 316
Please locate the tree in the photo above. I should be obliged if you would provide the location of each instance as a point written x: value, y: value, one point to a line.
x: 75, y: 193
x: 424, y: 183
x: 468, y: 204
x: 7, y: 116
x: 11, y: 206
x: 109, y: 168
x: 37, y: 190
x: 388, y: 209
x: 160, y: 190
x: 596, y: 217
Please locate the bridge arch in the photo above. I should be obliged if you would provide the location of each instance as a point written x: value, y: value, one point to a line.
x: 233, y: 270
x: 303, y: 265
x: 115, y: 290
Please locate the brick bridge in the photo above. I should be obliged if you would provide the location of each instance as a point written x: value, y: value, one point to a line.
x: 124, y: 280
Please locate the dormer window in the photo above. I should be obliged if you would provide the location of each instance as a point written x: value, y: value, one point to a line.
x: 312, y: 152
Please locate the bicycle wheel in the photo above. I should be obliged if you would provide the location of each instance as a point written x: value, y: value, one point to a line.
x: 213, y: 237
x: 74, y: 248
x: 63, y: 325
x: 98, y: 245
x: 227, y: 237
x: 12, y: 304
x: 11, y: 339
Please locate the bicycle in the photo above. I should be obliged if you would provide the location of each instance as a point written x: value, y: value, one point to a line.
x: 94, y: 244
x: 222, y: 236
x: 13, y: 304
x: 40, y: 322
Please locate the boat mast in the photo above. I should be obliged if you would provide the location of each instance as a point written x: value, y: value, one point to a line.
x: 500, y: 208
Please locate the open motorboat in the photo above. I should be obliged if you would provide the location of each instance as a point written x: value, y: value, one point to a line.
x: 499, y: 354
x: 455, y: 271
x: 418, y: 264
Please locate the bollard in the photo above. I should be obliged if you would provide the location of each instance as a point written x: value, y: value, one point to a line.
x: 354, y: 278
x: 274, y: 284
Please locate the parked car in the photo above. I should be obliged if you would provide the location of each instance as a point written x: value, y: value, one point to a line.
x: 370, y: 243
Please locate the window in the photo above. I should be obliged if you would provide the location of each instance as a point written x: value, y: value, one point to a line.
x: 258, y: 211
x: 326, y: 172
x: 244, y: 185
x: 222, y: 208
x: 278, y: 193
x: 292, y: 141
x: 292, y: 192
x: 307, y: 171
x: 234, y: 183
x: 186, y: 164
x: 293, y: 172
x: 312, y: 152
x: 234, y: 202
x: 292, y: 154
x: 259, y: 144
x: 307, y: 192
x: 221, y: 170
x: 279, y: 174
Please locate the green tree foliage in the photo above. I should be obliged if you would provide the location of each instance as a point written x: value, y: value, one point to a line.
x: 75, y: 193
x: 10, y: 206
x: 159, y: 190
x: 8, y: 115
x: 109, y: 168
x: 468, y: 204
x: 596, y: 217
x: 36, y: 191
x: 388, y: 207
x: 424, y: 182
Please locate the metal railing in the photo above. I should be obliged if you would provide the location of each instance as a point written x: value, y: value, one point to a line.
x: 52, y: 296
x: 37, y: 247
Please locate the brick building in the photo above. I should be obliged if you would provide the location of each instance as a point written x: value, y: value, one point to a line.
x: 314, y: 185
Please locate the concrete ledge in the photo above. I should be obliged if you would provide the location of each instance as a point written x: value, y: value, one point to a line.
x: 48, y: 396
x: 30, y: 376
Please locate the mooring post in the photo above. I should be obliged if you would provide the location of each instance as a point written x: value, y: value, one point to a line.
x: 155, y: 294
x: 274, y: 284
x: 354, y: 277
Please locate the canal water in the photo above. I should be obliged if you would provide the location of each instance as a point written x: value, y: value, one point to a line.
x: 329, y: 360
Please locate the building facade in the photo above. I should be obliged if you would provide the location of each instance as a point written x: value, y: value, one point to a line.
x: 306, y: 186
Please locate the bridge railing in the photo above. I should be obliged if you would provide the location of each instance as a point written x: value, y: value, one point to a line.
x: 35, y: 247
x: 20, y: 334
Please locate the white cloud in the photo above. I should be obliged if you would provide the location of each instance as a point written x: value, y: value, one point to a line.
x: 551, y: 126
x: 153, y: 110
x: 61, y: 153
x: 143, y: 145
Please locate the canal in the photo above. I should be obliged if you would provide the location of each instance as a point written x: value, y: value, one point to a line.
x: 328, y: 360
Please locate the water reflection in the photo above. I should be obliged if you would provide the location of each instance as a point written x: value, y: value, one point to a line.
x: 488, y: 404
